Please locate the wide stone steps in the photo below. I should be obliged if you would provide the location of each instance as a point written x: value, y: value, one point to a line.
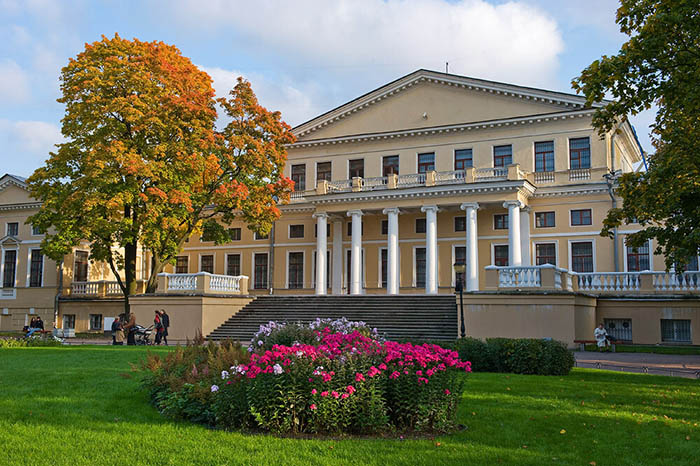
x: 411, y: 316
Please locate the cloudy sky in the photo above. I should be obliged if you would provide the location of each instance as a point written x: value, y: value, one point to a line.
x: 303, y: 57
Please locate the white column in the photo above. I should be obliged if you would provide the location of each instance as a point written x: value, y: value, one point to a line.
x: 472, y: 265
x: 392, y: 266
x: 337, y: 281
x: 525, y: 236
x: 514, y: 255
x: 356, y: 252
x: 321, y: 248
x: 431, y: 286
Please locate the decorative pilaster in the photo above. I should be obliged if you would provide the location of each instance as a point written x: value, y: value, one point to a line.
x: 431, y: 285
x: 472, y: 259
x: 392, y: 267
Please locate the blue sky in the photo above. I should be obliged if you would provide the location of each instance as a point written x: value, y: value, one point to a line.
x: 302, y: 57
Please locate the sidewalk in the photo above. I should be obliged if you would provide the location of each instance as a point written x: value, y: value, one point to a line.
x: 658, y: 364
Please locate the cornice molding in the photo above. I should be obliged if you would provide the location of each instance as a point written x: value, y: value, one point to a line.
x: 33, y: 205
x: 448, y: 129
x: 425, y: 76
x: 576, y: 190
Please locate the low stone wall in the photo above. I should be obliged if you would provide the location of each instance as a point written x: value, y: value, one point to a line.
x: 82, y: 308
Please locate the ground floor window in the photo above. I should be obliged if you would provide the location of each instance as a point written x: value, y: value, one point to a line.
x: 500, y: 255
x: 69, y: 321
x: 233, y: 265
x: 675, y: 330
x: 460, y: 258
x: 420, y: 267
x: 582, y: 257
x: 385, y: 261
x: 260, y: 271
x: 545, y: 253
x: 95, y: 321
x: 620, y: 329
x: 296, y: 270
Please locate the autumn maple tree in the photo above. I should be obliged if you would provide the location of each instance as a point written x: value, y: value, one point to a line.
x: 144, y: 165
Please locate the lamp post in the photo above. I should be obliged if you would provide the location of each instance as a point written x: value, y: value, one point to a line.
x: 459, y: 287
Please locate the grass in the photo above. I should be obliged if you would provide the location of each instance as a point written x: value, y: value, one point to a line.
x: 72, y: 406
x: 693, y: 350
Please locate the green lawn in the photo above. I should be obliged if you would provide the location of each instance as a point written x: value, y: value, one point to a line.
x: 73, y: 406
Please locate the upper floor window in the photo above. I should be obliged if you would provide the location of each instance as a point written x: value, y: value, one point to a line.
x: 460, y: 223
x: 420, y: 225
x: 500, y: 222
x: 579, y: 153
x: 463, y: 159
x: 207, y: 263
x: 502, y: 156
x: 544, y: 156
x: 9, y: 268
x: 545, y: 253
x: 323, y: 171
x: 390, y: 165
x: 13, y: 228
x: 426, y: 162
x: 261, y: 235
x: 181, y: 264
x: 500, y: 255
x: 234, y: 234
x: 544, y: 219
x: 36, y: 231
x: 357, y: 168
x: 638, y: 258
x: 81, y: 266
x: 581, y: 217
x: 582, y: 256
x: 299, y: 177
x: 296, y: 231
x: 36, y: 268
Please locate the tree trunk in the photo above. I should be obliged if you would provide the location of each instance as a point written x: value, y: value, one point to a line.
x: 157, y: 267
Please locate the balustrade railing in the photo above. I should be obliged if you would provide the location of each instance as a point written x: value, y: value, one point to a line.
x: 670, y: 281
x: 579, y: 174
x: 544, y: 177
x: 519, y: 277
x: 225, y: 283
x: 491, y: 173
x: 370, y: 184
x: 181, y: 282
x: 202, y: 282
x: 413, y: 179
x: 340, y: 186
x: 608, y: 281
x: 113, y: 288
x: 451, y: 177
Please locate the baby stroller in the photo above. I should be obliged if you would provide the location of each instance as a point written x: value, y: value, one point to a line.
x: 142, y: 335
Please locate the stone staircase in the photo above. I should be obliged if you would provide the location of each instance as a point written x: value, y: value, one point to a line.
x: 396, y: 317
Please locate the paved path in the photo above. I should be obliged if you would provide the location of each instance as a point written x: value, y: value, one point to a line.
x: 678, y: 365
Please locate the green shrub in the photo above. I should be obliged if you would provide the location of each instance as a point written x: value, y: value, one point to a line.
x: 33, y: 341
x: 474, y: 351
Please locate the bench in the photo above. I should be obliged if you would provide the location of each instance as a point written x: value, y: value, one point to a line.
x: 582, y: 344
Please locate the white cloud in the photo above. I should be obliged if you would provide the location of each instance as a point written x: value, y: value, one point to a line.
x: 14, y: 83
x: 26, y: 144
x: 511, y: 41
x: 296, y: 104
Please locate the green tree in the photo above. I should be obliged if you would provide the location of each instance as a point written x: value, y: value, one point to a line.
x: 144, y: 165
x: 659, y: 64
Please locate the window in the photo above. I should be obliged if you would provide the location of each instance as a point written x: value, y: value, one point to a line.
x: 620, y: 329
x: 579, y: 153
x: 9, y: 269
x: 323, y: 171
x: 296, y: 270
x: 207, y: 263
x: 234, y: 234
x: 296, y: 231
x: 36, y: 268
x: 500, y: 255
x: 69, y: 321
x: 675, y: 330
x: 460, y: 258
x: 460, y: 223
x: 81, y: 266
x: 260, y: 271
x: 36, y: 231
x: 257, y: 235
x: 692, y: 265
x: 299, y: 177
x: 13, y: 229
x: 420, y: 225
x: 544, y: 156
x: 385, y: 262
x: 544, y: 219
x: 420, y: 267
x: 580, y: 217
x: 582, y: 257
x: 95, y: 321
x: 390, y: 165
x: 502, y: 156
x: 356, y: 168
x: 545, y: 253
x: 426, y: 162
x: 385, y: 227
x: 638, y: 258
x: 233, y: 264
x: 362, y: 228
x: 328, y: 230
x: 500, y: 222
x: 181, y: 264
x: 463, y: 159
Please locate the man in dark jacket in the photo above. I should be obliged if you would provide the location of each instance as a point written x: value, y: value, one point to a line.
x: 165, y: 320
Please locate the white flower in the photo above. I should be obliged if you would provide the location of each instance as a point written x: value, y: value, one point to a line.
x: 277, y: 369
x: 260, y: 342
x: 214, y: 388
x: 224, y: 375
x: 299, y: 353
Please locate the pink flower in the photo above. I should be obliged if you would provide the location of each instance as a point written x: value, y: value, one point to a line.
x: 447, y: 392
x: 344, y: 395
x: 359, y: 377
x: 419, y: 373
x: 373, y: 371
x: 325, y: 393
x: 335, y: 394
x: 327, y: 377
x: 394, y: 375
x: 382, y: 366
x: 312, y: 407
x: 422, y: 380
x: 314, y: 391
x: 350, y: 389
x: 310, y: 379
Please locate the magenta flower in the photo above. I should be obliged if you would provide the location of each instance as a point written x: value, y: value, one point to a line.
x: 324, y: 393
x: 313, y: 392
x: 312, y: 407
x: 350, y: 389
x: 447, y: 392
x: 335, y: 394
x: 359, y: 377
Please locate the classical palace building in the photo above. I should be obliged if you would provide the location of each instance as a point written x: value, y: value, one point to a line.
x: 395, y: 187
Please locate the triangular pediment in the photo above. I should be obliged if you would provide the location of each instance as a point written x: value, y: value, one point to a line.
x: 9, y: 241
x: 427, y: 99
x: 14, y: 190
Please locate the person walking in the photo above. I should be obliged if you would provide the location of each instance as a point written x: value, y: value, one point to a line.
x: 117, y: 331
x: 158, y: 326
x: 601, y: 337
x: 165, y: 319
x: 130, y: 328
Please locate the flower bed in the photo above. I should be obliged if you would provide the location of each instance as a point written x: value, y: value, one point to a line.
x: 340, y: 383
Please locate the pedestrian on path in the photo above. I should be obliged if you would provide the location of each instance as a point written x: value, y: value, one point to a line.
x: 601, y: 337
x: 165, y: 320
